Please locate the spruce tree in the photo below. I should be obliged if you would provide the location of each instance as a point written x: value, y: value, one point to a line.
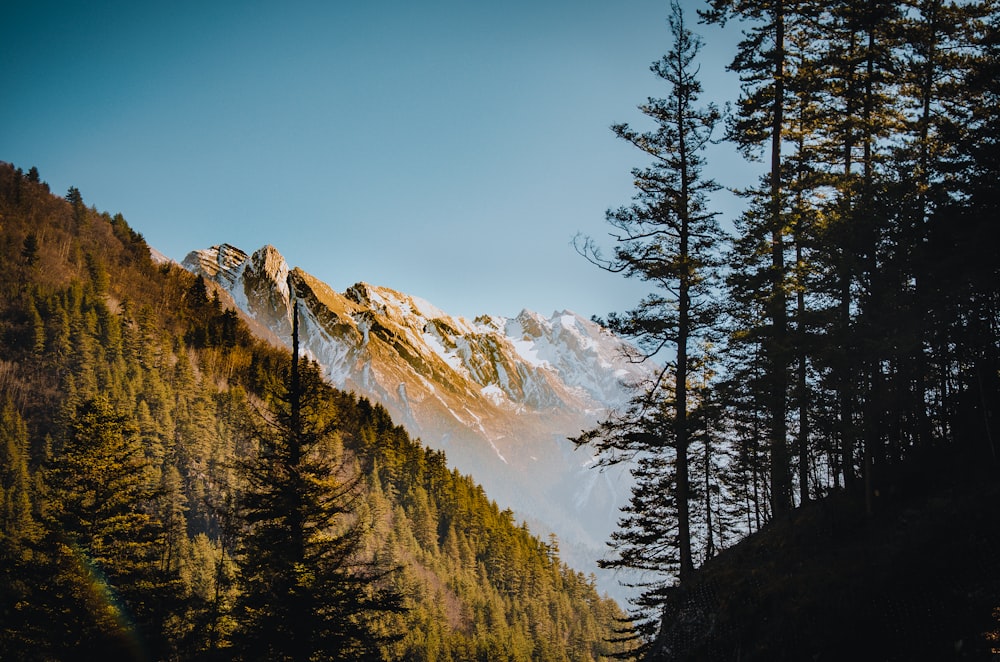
x: 21, y: 571
x: 763, y: 61
x: 962, y: 239
x: 105, y: 543
x: 667, y: 238
x: 306, y: 591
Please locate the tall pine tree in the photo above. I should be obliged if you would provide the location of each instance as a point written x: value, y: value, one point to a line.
x: 763, y: 62
x: 667, y: 238
x: 307, y: 592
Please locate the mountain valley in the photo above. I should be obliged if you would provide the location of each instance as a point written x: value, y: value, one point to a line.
x: 173, y: 485
x: 499, y: 395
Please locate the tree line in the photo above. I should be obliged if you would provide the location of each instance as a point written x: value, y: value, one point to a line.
x: 847, y: 327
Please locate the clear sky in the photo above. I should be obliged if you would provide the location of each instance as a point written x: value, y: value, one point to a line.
x: 448, y: 149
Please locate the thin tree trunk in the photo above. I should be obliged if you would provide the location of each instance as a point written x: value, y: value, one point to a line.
x: 780, y: 479
x: 802, y: 387
x: 683, y: 333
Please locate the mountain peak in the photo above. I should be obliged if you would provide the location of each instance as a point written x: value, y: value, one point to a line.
x: 220, y: 263
x: 500, y: 395
x: 268, y: 264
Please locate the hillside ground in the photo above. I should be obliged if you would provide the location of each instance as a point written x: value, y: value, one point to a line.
x: 917, y: 579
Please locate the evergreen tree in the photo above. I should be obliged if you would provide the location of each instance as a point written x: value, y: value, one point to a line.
x: 29, y: 250
x: 965, y: 271
x: 75, y: 199
x: 106, y: 542
x: 306, y: 591
x: 763, y: 61
x: 667, y: 237
x: 20, y: 568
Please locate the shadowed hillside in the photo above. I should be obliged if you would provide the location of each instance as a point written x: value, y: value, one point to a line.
x: 918, y: 580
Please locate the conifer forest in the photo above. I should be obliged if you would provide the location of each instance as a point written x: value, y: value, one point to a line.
x: 816, y: 461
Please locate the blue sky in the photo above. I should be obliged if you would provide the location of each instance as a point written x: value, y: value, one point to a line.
x: 447, y: 149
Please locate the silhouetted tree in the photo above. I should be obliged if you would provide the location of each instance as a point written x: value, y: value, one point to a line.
x: 307, y: 591
x: 667, y: 237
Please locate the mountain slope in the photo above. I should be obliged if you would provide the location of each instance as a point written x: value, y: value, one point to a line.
x: 499, y: 395
x: 135, y: 553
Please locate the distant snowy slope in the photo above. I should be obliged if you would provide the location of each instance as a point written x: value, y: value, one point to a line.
x: 499, y: 395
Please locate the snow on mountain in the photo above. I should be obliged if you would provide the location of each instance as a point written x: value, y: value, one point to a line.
x: 584, y: 354
x: 499, y: 395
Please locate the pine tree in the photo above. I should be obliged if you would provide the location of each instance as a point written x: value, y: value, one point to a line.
x: 764, y: 64
x: 306, y: 592
x: 106, y: 542
x: 666, y: 237
x: 29, y: 250
x: 75, y: 199
x: 20, y: 567
x: 963, y: 233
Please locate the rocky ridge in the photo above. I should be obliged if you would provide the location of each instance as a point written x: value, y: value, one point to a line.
x: 499, y: 395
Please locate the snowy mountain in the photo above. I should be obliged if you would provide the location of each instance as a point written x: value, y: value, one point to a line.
x: 499, y: 396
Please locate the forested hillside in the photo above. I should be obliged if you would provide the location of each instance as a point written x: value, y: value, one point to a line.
x: 824, y: 432
x: 144, y: 444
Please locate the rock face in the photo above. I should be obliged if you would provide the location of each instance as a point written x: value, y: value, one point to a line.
x: 499, y: 396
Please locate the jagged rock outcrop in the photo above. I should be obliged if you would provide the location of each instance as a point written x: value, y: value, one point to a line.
x: 499, y: 395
